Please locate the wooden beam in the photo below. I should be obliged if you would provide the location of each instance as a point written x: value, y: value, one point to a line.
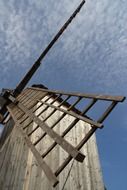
x: 93, y: 96
x: 62, y: 142
x: 48, y: 172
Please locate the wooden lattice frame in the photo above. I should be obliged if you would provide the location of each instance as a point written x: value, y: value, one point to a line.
x: 25, y: 107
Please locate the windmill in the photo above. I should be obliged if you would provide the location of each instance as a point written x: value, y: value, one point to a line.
x: 26, y: 107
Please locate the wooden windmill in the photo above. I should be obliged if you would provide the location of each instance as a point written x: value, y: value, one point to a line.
x: 30, y: 107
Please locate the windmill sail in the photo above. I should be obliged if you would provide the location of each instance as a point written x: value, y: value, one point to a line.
x: 30, y: 109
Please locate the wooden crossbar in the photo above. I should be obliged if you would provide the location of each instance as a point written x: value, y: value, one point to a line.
x: 99, y: 125
x: 91, y: 96
x: 62, y: 142
x: 48, y: 172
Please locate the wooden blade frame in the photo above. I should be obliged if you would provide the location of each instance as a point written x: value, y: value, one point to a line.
x: 26, y: 108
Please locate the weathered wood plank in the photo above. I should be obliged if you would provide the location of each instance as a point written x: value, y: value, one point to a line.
x: 62, y: 142
x: 41, y: 162
x: 91, y: 96
x: 83, y: 118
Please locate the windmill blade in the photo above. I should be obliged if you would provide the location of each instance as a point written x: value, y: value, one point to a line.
x: 36, y: 65
x: 33, y: 112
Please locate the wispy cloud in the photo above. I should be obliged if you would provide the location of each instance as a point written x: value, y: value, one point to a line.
x: 93, y: 48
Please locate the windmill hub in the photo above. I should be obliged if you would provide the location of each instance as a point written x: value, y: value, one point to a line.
x: 6, y: 97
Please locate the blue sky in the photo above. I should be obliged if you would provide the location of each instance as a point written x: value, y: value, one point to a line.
x: 90, y: 57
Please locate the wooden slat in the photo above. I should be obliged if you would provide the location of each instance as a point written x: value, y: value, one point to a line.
x: 28, y: 96
x: 69, y: 127
x: 33, y: 99
x: 57, y: 121
x: 48, y: 172
x: 107, y: 112
x: 37, y: 107
x: 96, y: 124
x: 23, y: 119
x: 29, y: 134
x: 62, y: 142
x: 26, y: 117
x: 52, y: 112
x: 22, y: 95
x: 86, y: 138
x: 47, y: 106
x: 91, y: 96
x: 27, y: 93
x: 26, y: 126
x: 44, y: 134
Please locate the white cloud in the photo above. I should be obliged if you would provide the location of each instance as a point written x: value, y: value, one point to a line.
x: 93, y: 47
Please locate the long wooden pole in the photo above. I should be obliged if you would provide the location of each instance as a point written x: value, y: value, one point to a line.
x: 36, y: 65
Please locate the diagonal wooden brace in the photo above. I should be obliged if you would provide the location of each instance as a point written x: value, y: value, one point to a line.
x: 58, y: 139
